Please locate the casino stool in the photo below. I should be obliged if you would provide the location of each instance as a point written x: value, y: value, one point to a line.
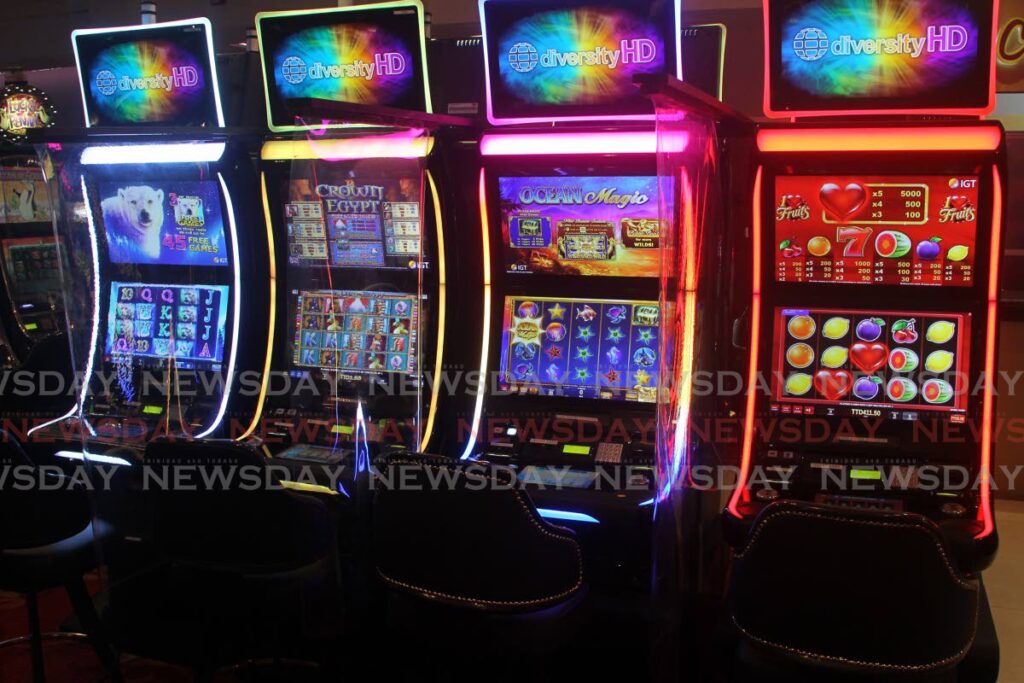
x: 245, y: 574
x: 852, y: 595
x: 472, y: 558
x: 47, y: 540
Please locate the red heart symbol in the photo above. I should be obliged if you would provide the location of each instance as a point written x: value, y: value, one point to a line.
x: 833, y: 384
x: 869, y: 357
x: 959, y: 202
x: 843, y: 202
x: 794, y: 201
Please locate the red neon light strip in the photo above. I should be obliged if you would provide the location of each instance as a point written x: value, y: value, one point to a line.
x: 741, y: 494
x: 985, y: 509
x: 941, y: 139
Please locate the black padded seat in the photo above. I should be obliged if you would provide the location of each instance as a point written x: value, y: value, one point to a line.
x: 245, y: 572
x: 853, y: 592
x: 47, y: 540
x: 466, y: 536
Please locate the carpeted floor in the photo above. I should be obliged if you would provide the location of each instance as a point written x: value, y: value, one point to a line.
x: 66, y: 661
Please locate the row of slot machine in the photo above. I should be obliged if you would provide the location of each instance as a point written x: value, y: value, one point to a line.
x: 552, y: 293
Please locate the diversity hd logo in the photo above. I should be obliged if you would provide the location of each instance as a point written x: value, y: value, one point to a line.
x: 146, y: 81
x: 347, y: 63
x: 870, y: 48
x: 579, y: 56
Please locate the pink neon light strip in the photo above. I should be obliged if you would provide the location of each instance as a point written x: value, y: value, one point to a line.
x: 547, y: 144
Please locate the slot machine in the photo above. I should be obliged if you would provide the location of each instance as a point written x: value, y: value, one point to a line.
x: 876, y: 251
x: 32, y: 335
x: 164, y: 278
x: 572, y: 344
x: 352, y: 180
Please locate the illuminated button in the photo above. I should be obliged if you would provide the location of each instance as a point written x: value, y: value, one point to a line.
x: 953, y: 509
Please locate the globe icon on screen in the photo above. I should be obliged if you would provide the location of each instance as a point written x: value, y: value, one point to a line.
x: 106, y: 82
x: 523, y: 58
x: 293, y: 70
x: 810, y: 44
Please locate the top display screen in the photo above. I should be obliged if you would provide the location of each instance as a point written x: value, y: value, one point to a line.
x: 581, y: 225
x: 576, y: 60
x: 160, y: 74
x: 370, y: 54
x: 837, y: 56
x: 884, y: 230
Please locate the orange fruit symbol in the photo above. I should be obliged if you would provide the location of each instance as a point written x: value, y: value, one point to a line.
x: 819, y: 246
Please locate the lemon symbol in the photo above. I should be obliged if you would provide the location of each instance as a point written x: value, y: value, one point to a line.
x: 940, y: 332
x: 836, y: 328
x: 938, y: 361
x: 798, y: 384
x: 958, y: 253
x: 834, y: 357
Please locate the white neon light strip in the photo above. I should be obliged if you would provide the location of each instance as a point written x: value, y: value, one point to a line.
x: 162, y: 153
x: 549, y: 144
x: 677, y: 32
x: 211, y: 60
x: 94, y: 333
x: 70, y: 413
x: 567, y: 516
x: 92, y: 457
x: 485, y: 230
x: 238, y: 312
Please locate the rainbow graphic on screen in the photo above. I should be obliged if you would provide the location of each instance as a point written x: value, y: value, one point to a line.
x: 877, y: 48
x: 578, y: 56
x: 147, y: 81
x: 346, y: 63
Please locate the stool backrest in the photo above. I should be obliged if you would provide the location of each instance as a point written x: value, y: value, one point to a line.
x: 467, y: 535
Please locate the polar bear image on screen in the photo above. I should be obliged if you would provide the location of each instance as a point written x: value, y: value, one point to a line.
x: 133, y: 219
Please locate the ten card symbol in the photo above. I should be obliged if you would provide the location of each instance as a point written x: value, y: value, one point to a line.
x: 842, y: 203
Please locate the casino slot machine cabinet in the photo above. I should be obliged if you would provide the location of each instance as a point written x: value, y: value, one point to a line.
x: 352, y: 185
x: 873, y: 345
x: 164, y: 278
x: 572, y: 343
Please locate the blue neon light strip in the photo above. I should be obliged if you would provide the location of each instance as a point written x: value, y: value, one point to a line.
x: 567, y: 516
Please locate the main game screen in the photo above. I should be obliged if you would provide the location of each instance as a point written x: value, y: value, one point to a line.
x: 835, y: 55
x: 887, y: 230
x: 577, y: 59
x: 364, y: 56
x: 154, y: 321
x: 581, y: 348
x: 581, y: 225
x: 149, y: 75
x: 355, y: 332
x: 827, y: 362
x: 349, y: 216
x: 165, y: 222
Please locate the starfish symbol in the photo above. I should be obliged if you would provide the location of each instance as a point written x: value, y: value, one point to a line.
x: 615, y: 335
x: 642, y: 378
x: 645, y: 336
x: 611, y: 376
x: 585, y: 333
x: 557, y: 312
x: 581, y: 373
x: 583, y: 354
x: 553, y: 352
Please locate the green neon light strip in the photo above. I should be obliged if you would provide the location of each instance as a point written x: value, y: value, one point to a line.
x: 417, y: 4
x: 874, y: 475
x: 573, y: 449
x: 152, y: 410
